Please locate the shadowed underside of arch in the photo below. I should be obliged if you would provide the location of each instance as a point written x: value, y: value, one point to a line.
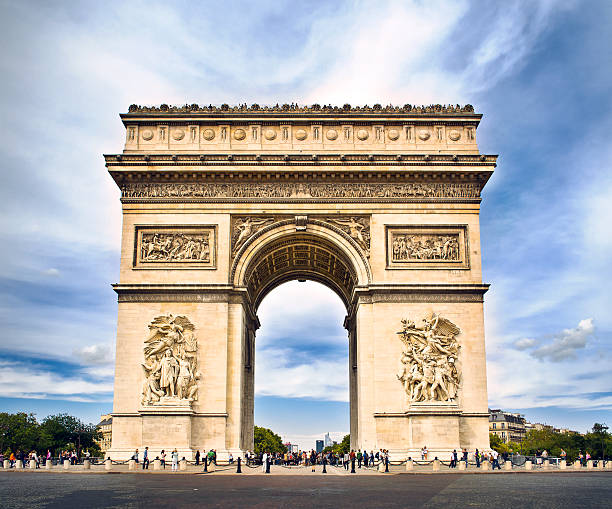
x: 300, y: 256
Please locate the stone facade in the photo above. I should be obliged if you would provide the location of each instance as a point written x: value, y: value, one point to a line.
x: 223, y: 204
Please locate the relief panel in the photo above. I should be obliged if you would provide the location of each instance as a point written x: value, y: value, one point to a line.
x: 175, y: 247
x: 427, y: 247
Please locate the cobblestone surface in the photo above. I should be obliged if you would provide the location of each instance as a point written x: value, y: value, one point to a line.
x: 53, y: 489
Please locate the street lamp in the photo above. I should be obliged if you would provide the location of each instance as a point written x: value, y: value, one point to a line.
x: 604, y: 428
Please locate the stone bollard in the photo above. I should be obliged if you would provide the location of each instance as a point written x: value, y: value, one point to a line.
x: 409, y: 464
x: 48, y: 464
x: 577, y: 465
x: 590, y: 465
x: 461, y: 465
x: 87, y: 464
x: 183, y: 464
x: 508, y: 465
x: 563, y: 465
x: 381, y: 466
x: 156, y: 464
x: 435, y: 465
x: 546, y: 464
x: 108, y: 464
x: 600, y: 465
x: 19, y: 464
x: 608, y: 465
x: 485, y: 465
x: 66, y: 464
x: 528, y: 465
x: 6, y: 464
x: 32, y: 464
x: 212, y: 466
x: 132, y: 465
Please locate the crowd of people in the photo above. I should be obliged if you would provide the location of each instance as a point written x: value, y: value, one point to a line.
x: 312, y: 458
x: 41, y: 459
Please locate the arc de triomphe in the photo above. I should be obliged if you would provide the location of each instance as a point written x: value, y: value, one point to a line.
x: 223, y: 204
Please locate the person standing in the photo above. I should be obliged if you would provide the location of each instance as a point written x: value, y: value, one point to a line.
x: 264, y: 461
x: 197, y: 457
x: 563, y: 455
x: 465, y: 457
x: 174, y: 460
x: 494, y: 460
x: 135, y: 456
x: 359, y: 458
x: 477, y: 458
x: 162, y: 458
x: 145, y: 459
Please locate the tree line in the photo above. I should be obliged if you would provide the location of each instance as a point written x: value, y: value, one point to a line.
x: 22, y: 431
x: 598, y: 443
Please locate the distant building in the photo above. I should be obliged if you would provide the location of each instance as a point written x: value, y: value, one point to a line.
x: 319, y: 446
x: 328, y: 441
x: 105, y: 427
x: 507, y: 426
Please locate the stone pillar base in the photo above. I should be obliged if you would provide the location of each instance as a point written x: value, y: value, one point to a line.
x: 563, y: 465
x: 132, y: 465
x: 87, y: 465
x: 508, y: 465
x: 108, y: 465
x: 409, y: 465
x: 528, y: 465
x: 485, y: 465
x: 156, y: 464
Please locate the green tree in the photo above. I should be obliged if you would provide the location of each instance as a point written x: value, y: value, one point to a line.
x: 267, y: 441
x: 62, y: 429
x: 18, y: 431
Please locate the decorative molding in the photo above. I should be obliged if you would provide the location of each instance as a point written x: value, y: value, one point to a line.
x: 421, y: 293
x: 426, y: 246
x: 175, y: 247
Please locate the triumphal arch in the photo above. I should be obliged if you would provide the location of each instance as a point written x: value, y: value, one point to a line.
x: 223, y: 204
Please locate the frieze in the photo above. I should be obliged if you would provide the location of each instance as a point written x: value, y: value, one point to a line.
x: 300, y: 191
x: 182, y: 246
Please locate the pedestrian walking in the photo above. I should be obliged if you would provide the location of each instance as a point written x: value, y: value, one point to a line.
x: 162, y: 458
x: 145, y: 459
x: 174, y: 460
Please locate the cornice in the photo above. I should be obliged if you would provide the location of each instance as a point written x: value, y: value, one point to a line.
x: 308, y: 160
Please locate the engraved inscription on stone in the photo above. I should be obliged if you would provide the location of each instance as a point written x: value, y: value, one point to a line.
x: 182, y: 246
x: 425, y: 247
x: 428, y: 364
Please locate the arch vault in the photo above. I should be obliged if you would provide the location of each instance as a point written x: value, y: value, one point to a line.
x: 221, y: 205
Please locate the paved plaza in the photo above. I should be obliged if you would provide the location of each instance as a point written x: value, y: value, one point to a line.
x: 285, y: 488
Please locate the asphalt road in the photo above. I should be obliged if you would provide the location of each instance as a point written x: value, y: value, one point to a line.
x: 567, y: 490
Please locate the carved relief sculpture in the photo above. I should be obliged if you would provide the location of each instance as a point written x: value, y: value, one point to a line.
x: 358, y: 228
x: 244, y: 228
x: 428, y: 364
x: 170, y: 362
x: 183, y: 246
x: 425, y: 247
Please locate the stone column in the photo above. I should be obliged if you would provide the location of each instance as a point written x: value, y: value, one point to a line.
x: 108, y: 465
x: 131, y: 465
x: 528, y: 465
x: 436, y: 465
x: 87, y: 464
x: 156, y: 464
x: 409, y: 465
x: 563, y: 465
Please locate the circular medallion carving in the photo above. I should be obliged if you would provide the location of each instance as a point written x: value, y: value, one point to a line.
x: 208, y: 134
x: 454, y: 135
x: 332, y: 134
x: 270, y: 134
x: 147, y: 134
x: 178, y: 135
x: 393, y: 134
x: 239, y: 134
x: 362, y: 134
x: 300, y: 134
x: 424, y: 134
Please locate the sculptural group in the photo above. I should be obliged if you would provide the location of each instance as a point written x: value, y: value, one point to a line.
x: 429, y: 369
x: 170, y: 365
x: 425, y: 247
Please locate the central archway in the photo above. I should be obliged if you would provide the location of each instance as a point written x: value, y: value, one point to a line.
x: 288, y: 251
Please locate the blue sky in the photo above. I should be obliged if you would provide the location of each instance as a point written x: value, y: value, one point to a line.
x: 539, y: 71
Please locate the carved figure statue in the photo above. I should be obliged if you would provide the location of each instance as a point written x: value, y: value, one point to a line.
x: 245, y: 229
x: 170, y: 365
x: 356, y: 229
x: 428, y: 370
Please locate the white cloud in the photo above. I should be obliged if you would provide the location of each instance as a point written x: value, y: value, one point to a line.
x: 524, y: 343
x: 22, y: 381
x: 96, y: 354
x: 51, y: 272
x: 566, y: 343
